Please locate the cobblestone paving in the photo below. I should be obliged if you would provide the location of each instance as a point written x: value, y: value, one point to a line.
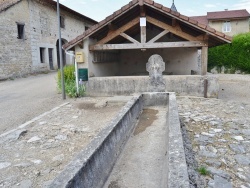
x: 34, y: 155
x: 219, y: 132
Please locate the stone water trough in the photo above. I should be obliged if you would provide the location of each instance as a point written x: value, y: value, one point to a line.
x: 141, y: 147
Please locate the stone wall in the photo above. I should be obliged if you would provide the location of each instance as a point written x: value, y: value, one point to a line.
x: 15, y: 54
x: 20, y: 57
x: 181, y: 84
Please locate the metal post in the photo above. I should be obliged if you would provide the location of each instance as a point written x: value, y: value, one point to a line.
x: 60, y: 51
x: 77, y: 77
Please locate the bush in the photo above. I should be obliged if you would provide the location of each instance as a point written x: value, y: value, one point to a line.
x: 70, y: 83
x: 233, y: 56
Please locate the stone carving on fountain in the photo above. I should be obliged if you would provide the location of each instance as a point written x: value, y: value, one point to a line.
x: 155, y: 66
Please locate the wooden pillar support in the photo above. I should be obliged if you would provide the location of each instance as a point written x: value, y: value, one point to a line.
x: 143, y: 34
x: 204, y: 59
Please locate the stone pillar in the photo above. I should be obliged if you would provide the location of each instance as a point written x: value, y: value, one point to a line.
x: 204, y: 58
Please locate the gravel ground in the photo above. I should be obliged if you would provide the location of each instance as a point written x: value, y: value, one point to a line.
x: 34, y: 155
x: 25, y: 98
x: 216, y: 134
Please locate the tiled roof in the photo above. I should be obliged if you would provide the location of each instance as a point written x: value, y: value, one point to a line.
x: 5, y: 4
x: 201, y: 19
x: 228, y: 14
x: 156, y: 6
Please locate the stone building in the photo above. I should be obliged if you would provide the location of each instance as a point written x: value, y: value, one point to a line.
x: 29, y: 35
x: 230, y: 22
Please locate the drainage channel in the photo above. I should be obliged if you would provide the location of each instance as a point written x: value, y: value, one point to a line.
x: 143, y: 162
x: 135, y: 150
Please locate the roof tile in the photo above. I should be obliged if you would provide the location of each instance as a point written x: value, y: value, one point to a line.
x: 210, y: 29
x: 157, y: 5
x: 150, y: 2
x: 134, y: 1
x: 184, y: 17
x: 228, y: 14
x: 220, y: 34
x: 118, y: 12
x: 175, y: 13
x: 193, y: 21
x: 125, y: 7
x: 102, y: 22
x: 108, y: 18
x: 166, y: 9
x: 203, y: 26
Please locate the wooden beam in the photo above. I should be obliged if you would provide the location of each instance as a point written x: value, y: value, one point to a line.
x: 129, y: 38
x: 117, y: 32
x: 112, y: 27
x: 173, y: 22
x: 175, y: 30
x: 158, y: 36
x: 143, y: 34
x: 142, y: 11
x: 80, y: 44
x: 147, y: 45
x: 204, y: 58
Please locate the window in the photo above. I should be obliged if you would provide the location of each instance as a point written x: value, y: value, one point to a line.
x: 20, y: 31
x: 42, y: 55
x: 62, y: 22
x: 226, y: 27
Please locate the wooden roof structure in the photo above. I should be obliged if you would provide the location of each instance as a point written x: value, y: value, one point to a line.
x: 124, y: 24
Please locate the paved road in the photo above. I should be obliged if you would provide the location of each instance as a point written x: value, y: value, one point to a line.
x: 25, y: 98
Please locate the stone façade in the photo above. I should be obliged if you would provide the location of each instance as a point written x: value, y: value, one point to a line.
x: 19, y: 57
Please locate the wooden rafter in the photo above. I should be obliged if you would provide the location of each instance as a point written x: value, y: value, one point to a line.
x: 112, y: 34
x: 158, y: 36
x: 175, y: 30
x: 147, y: 45
x: 129, y: 38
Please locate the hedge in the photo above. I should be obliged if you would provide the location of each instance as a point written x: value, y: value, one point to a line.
x: 234, y: 56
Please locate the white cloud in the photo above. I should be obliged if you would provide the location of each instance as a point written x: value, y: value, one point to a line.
x: 243, y: 4
x: 210, y: 5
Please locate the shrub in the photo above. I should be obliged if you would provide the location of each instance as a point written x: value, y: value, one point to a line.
x: 233, y: 56
x: 70, y: 83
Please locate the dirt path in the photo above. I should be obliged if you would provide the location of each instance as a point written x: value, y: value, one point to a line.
x: 26, y: 98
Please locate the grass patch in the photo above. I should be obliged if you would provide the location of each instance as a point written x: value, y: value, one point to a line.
x: 203, y: 171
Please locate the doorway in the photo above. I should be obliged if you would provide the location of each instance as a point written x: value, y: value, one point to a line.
x: 51, y: 59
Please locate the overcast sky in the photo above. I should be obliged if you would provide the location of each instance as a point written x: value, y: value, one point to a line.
x: 100, y: 9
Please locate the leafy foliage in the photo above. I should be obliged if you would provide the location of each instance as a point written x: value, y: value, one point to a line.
x: 235, y: 56
x: 70, y: 83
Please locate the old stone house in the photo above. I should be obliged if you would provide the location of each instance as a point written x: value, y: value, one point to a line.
x: 29, y: 35
x: 117, y: 49
x: 230, y: 22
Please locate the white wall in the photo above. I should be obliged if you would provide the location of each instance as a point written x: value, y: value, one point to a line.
x: 179, y: 61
